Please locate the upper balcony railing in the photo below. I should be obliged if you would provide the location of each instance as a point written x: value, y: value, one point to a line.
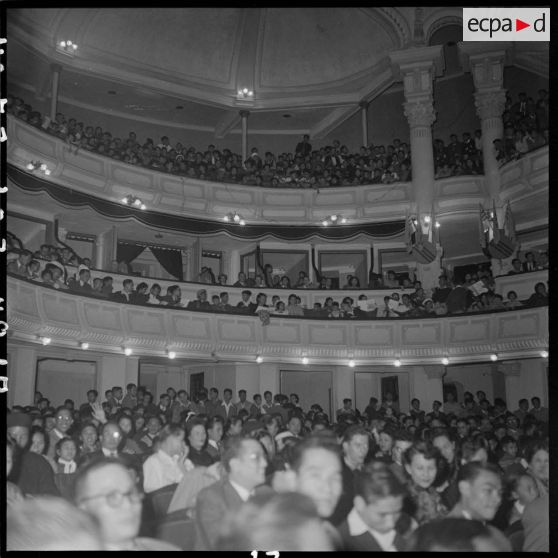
x: 107, y: 178
x: 69, y: 319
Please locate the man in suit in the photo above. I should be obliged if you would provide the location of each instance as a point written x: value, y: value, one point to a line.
x: 243, y: 404
x: 529, y: 264
x: 245, y: 304
x: 213, y: 404
x: 245, y: 462
x: 376, y: 522
x: 86, y: 409
x: 125, y: 295
x: 130, y: 400
x: 227, y: 409
x: 480, y: 489
x: 81, y: 285
x: 63, y: 423
x: 22, y: 262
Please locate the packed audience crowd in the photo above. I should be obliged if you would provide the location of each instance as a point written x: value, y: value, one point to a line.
x: 134, y: 473
x: 475, y: 292
x: 525, y: 129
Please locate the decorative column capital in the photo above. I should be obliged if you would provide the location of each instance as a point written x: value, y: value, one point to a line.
x: 490, y: 104
x: 420, y: 113
x: 512, y: 368
x: 364, y: 104
x: 485, y: 63
x: 244, y: 113
x: 434, y: 372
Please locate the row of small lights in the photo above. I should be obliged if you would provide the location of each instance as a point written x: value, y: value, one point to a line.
x: 234, y: 217
x: 334, y: 220
x: 68, y: 46
x: 427, y: 221
x: 243, y: 93
x: 259, y: 358
x: 38, y: 166
x: 133, y: 201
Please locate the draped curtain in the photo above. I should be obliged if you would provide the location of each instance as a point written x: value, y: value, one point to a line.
x: 128, y: 252
x: 170, y: 260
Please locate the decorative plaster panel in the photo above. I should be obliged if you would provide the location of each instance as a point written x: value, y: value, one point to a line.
x: 520, y: 325
x: 141, y: 321
x: 328, y: 335
x: 236, y: 330
x: 192, y: 325
x: 56, y: 312
x: 421, y: 334
x: 379, y: 335
x: 102, y: 316
x: 282, y: 333
x: 469, y: 330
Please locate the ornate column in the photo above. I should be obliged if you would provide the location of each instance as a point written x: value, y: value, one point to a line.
x: 364, y: 120
x: 417, y: 68
x: 244, y: 122
x: 486, y: 63
x: 512, y: 372
x: 56, y: 69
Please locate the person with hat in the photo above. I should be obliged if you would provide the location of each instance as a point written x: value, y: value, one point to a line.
x: 34, y: 476
x: 200, y: 303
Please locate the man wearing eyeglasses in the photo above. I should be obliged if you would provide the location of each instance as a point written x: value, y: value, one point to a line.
x: 106, y: 490
x: 64, y: 421
x: 245, y: 462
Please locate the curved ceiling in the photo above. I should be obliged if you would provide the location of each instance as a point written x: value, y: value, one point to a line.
x: 316, y: 63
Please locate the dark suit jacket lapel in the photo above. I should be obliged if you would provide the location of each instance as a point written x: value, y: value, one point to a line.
x: 231, y: 497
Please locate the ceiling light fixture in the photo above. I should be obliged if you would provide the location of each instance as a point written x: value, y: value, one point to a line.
x: 351, y: 363
x: 127, y: 351
x: 445, y: 361
x: 304, y: 360
x: 397, y: 363
x: 171, y: 354
x: 334, y: 219
x: 84, y: 345
x: 259, y: 359
x: 493, y: 357
x: 133, y: 201
x: 45, y: 340
x: 234, y: 217
x: 68, y: 48
x: 245, y: 93
x: 38, y: 166
x: 544, y: 354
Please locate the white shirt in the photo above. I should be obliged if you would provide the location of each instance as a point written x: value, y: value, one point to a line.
x: 358, y: 527
x: 244, y: 493
x: 109, y: 453
x: 160, y: 469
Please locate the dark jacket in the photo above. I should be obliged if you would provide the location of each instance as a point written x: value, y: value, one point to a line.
x: 35, y: 476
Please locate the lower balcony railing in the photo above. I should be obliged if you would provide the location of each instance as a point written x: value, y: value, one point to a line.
x: 68, y: 319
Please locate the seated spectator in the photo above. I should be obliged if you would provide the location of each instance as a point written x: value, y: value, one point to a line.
x: 169, y: 463
x: 539, y: 297
x: 376, y: 522
x: 125, y: 295
x: 391, y: 281
x: 516, y: 267
x: 82, y: 284
x: 140, y: 295
x: 197, y: 442
x: 201, y: 302
x: 173, y: 296
x: 245, y: 462
x: 106, y: 490
x: 512, y: 301
x: 241, y: 281
x: 48, y: 523
x: 529, y: 264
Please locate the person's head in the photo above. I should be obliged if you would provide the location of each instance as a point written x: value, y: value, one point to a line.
x: 110, y: 436
x: 386, y: 440
x: 164, y: 400
x: 403, y: 440
x: 268, y: 396
x: 126, y: 425
x: 117, y: 392
x: 92, y: 395
x: 286, y: 522
x: 132, y: 389
x: 446, y: 445
x: 462, y: 428
x: 227, y: 395
x: 215, y: 428
x: 64, y: 419
x: 316, y: 466
x: 271, y: 424
x: 456, y: 534
x: 523, y: 488
x: 245, y: 461
x: 378, y: 497
x: 39, y: 440
x: 480, y: 489
x: 257, y: 399
x: 88, y: 435
x: 196, y: 434
x: 536, y: 402
x: 171, y: 440
x: 46, y: 523
x: 421, y: 463
x: 355, y: 446
x: 106, y: 490
x: 475, y: 449
x: 294, y: 425
x: 242, y: 395
x: 509, y: 445
x: 536, y: 455
x: 66, y: 449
